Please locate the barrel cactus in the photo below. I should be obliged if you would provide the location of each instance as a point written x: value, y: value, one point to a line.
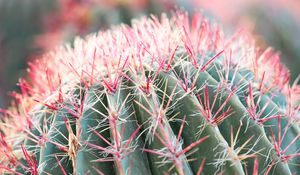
x: 164, y: 96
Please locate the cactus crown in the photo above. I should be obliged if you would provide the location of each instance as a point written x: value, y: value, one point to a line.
x: 172, y: 96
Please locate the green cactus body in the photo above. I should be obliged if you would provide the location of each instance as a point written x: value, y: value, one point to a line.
x: 160, y: 97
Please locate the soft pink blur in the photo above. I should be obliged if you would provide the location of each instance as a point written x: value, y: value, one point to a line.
x: 228, y: 10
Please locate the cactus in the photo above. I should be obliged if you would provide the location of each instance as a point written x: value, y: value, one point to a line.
x: 164, y: 96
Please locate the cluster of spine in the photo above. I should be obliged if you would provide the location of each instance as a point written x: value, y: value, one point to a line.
x: 165, y: 96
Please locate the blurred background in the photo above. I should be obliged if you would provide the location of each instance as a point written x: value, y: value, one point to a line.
x: 29, y: 28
